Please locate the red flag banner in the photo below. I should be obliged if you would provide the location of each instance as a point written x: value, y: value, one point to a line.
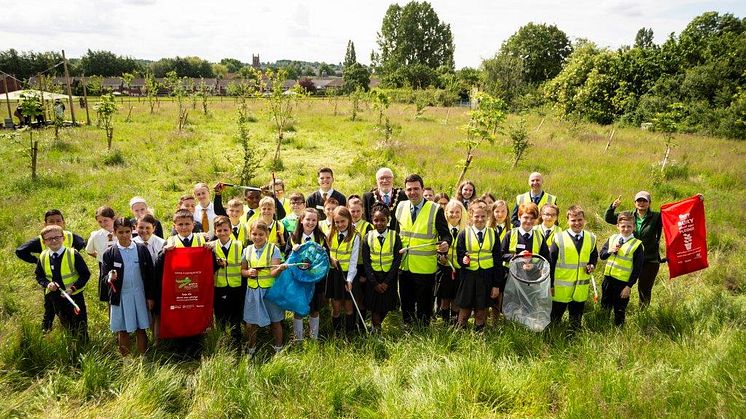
x: 686, y: 236
x: 186, y: 299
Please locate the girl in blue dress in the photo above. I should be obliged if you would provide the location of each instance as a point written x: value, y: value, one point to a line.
x: 130, y: 269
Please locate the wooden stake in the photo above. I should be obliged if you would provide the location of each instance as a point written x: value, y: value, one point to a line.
x: 85, y: 99
x: 69, y: 89
x: 7, y: 98
x: 540, y: 124
x: 608, y: 143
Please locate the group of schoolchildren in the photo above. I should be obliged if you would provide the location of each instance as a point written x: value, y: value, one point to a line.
x: 251, y: 237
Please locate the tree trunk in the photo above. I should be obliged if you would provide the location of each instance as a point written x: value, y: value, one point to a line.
x: 467, y: 163
x: 279, y: 144
x: 34, y: 154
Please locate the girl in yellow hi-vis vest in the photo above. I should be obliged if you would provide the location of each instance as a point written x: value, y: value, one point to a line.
x: 446, y: 276
x: 478, y: 251
x: 499, y: 221
x: 381, y: 259
x: 261, y: 263
x: 344, y: 251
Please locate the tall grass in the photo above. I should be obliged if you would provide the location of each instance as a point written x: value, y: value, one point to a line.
x: 683, y: 356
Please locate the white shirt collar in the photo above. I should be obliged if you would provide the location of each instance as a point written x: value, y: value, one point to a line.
x: 228, y: 245
x: 59, y: 251
x: 574, y: 234
x: 476, y: 230
x: 328, y: 193
x: 131, y: 245
x: 189, y: 237
x: 522, y: 231
x: 385, y: 232
x: 626, y: 239
x: 307, y: 235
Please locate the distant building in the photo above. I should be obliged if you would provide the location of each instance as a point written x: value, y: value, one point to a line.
x: 255, y: 61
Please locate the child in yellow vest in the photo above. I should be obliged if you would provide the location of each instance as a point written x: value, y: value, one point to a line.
x: 478, y: 251
x: 261, y: 263
x: 447, y: 275
x: 624, y: 256
x: 276, y: 234
x: 548, y: 227
x: 381, y: 261
x: 229, y: 285
x: 573, y: 258
x: 297, y: 205
x: 329, y: 206
x: 499, y: 221
x: 344, y: 249
x: 362, y: 227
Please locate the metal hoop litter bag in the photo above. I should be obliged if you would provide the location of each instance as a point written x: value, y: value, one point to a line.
x: 528, y: 299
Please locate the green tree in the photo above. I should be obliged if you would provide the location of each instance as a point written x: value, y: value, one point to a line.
x: 127, y: 82
x: 356, y: 76
x: 543, y: 49
x: 484, y: 124
x: 350, y: 57
x: 281, y: 108
x: 107, y: 64
x: 231, y: 64
x: 105, y: 110
x: 644, y: 38
x: 503, y: 77
x: 413, y: 35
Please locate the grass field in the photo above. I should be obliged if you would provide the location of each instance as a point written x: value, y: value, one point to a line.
x: 682, y: 357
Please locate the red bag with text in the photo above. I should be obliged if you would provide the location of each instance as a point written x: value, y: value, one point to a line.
x: 686, y: 236
x: 186, y: 298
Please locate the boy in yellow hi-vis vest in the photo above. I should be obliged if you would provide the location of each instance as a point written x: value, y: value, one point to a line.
x: 624, y: 256
x: 62, y: 269
x: 572, y: 259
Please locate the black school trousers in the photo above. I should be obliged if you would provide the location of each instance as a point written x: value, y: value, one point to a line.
x: 611, y: 290
x: 416, y: 293
x: 228, y: 305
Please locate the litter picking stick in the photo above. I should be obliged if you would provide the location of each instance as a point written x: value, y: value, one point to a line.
x: 251, y: 188
x: 299, y: 264
x: 110, y: 281
x: 358, y: 311
x: 595, y: 290
x: 76, y: 309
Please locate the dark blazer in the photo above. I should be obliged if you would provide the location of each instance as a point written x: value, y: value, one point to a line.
x: 315, y: 200
x: 26, y: 251
x: 112, y: 255
x: 80, y: 267
x: 370, y: 198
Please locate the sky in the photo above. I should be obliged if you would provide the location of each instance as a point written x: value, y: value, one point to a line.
x: 319, y: 30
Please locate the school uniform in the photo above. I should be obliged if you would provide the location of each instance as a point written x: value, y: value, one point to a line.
x: 134, y: 267
x: 196, y: 229
x: 516, y: 240
x: 50, y: 268
x: 257, y: 309
x: 617, y: 276
x: 157, y: 228
x: 206, y: 214
x: 230, y: 287
x: 316, y: 200
x: 154, y: 245
x: 548, y: 233
x: 447, y: 275
x: 347, y: 254
x: 539, y: 200
x: 27, y: 252
x: 99, y: 241
x: 249, y: 213
x: 359, y: 289
x: 277, y: 234
x: 483, y: 271
x: 390, y: 200
x: 584, y: 244
x: 381, y: 261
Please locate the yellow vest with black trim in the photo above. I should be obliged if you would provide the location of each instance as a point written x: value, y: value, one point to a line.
x: 480, y: 254
x: 571, y: 281
x: 68, y: 273
x: 67, y: 240
x: 554, y: 231
x: 229, y: 276
x: 381, y: 256
x: 545, y: 199
x: 342, y: 251
x: 274, y: 229
x: 421, y: 260
x: 536, y: 242
x: 264, y: 278
x: 198, y: 240
x: 619, y: 265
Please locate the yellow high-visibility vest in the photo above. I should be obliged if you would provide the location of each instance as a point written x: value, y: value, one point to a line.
x: 67, y: 240
x: 381, y: 255
x: 229, y: 276
x: 68, y: 274
x: 342, y: 251
x: 264, y: 277
x: 619, y: 265
x: 419, y: 260
x: 480, y: 254
x: 571, y: 281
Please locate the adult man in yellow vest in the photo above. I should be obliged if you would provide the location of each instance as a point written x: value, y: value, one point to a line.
x: 572, y: 259
x: 424, y: 233
x: 536, y: 194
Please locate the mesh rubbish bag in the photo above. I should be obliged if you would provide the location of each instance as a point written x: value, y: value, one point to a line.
x: 293, y: 288
x: 527, y: 299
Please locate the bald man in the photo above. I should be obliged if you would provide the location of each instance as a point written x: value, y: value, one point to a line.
x: 384, y: 194
x: 536, y: 195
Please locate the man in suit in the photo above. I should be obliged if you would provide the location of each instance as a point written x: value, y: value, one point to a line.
x: 536, y: 195
x: 316, y: 199
x: 383, y: 194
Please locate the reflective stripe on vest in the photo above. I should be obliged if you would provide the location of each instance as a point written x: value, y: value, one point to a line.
x: 230, y: 276
x: 264, y: 278
x: 67, y: 240
x: 571, y: 280
x: 381, y: 256
x: 68, y: 274
x: 619, y: 265
x: 362, y: 227
x: 481, y: 254
x: 526, y: 197
x: 452, y: 256
x: 537, y: 240
x: 342, y: 251
x: 555, y: 231
x: 254, y: 216
x: 421, y: 260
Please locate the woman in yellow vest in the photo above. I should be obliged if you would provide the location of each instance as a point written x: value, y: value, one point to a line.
x: 344, y: 252
x: 308, y: 230
x: 573, y: 259
x: 229, y: 290
x: 478, y: 250
x: 381, y: 259
x: 261, y: 263
x: 624, y: 255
